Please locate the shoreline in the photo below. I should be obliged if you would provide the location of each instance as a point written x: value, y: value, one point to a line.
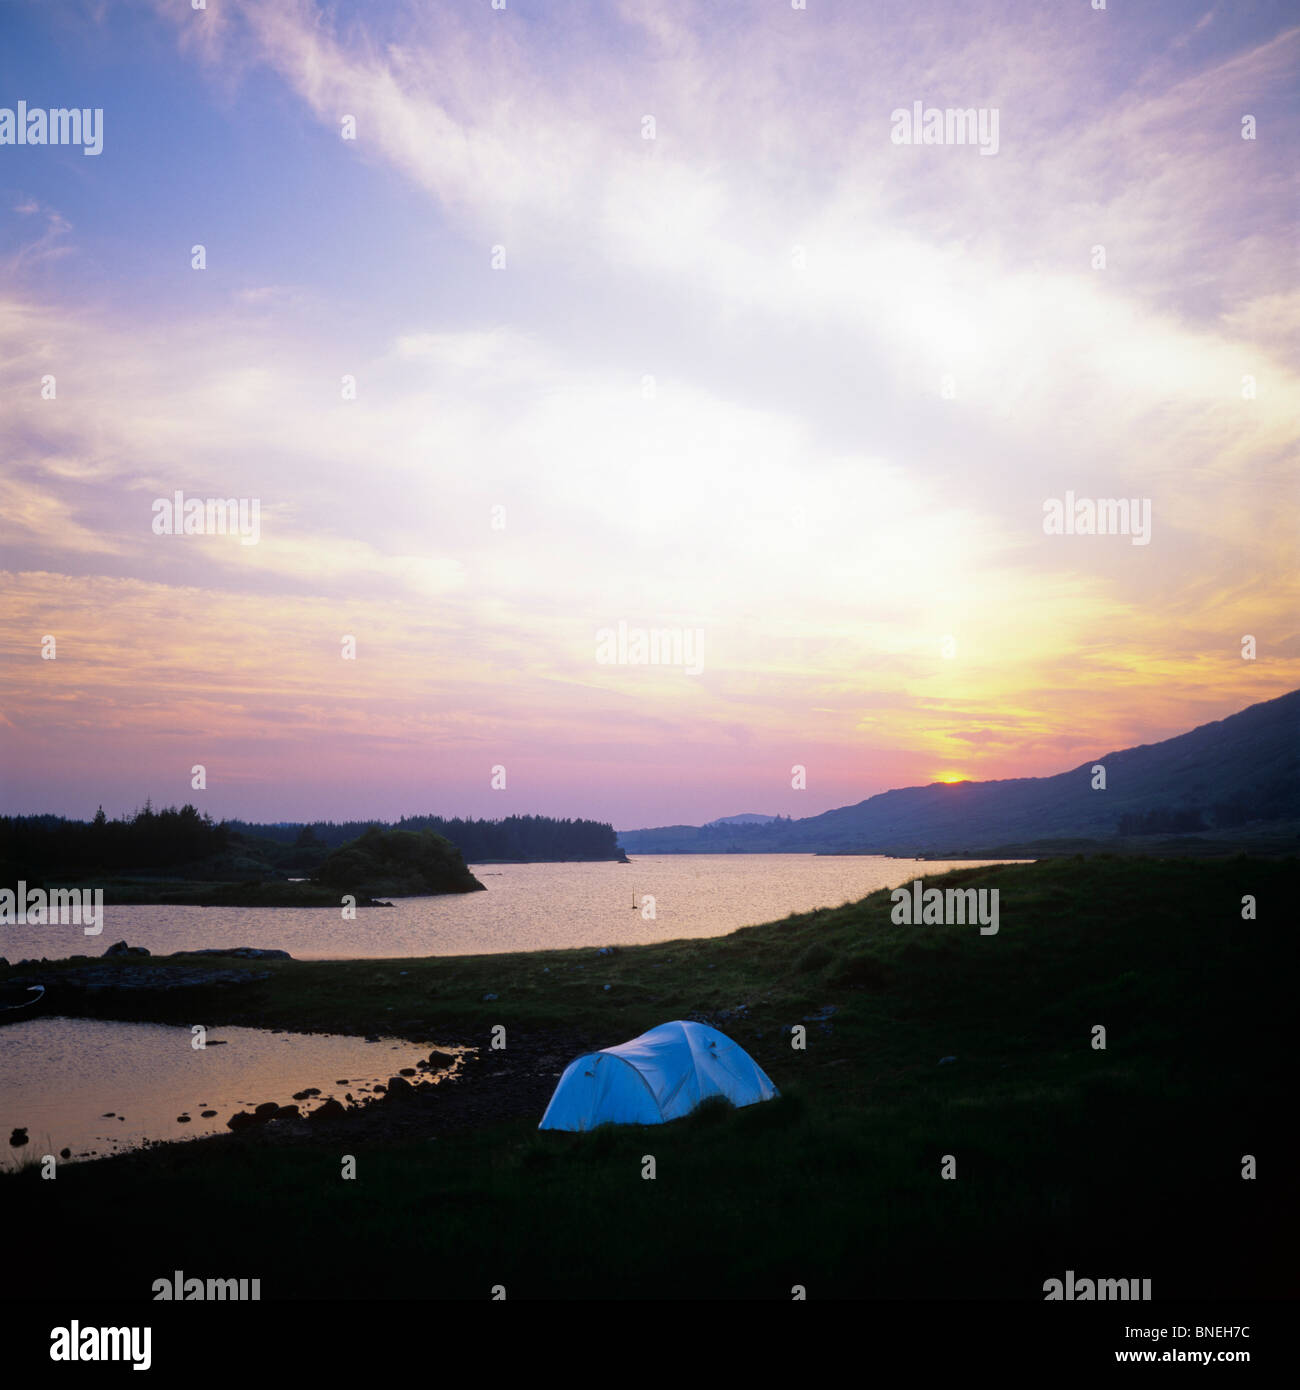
x: 555, y: 1001
x: 913, y: 1042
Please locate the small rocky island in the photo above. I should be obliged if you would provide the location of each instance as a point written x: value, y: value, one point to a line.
x: 396, y: 864
x: 180, y: 857
x: 378, y: 864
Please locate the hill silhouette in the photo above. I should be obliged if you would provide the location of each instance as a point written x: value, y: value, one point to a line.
x: 1229, y: 780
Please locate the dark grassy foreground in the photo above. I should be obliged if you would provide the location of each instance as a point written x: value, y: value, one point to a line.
x: 1117, y: 1163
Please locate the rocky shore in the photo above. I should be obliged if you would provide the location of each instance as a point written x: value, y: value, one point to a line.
x: 461, y: 1082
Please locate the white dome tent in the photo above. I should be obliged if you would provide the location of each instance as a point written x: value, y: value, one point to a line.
x: 662, y: 1075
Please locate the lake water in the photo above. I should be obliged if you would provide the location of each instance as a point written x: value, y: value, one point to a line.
x: 528, y: 907
x: 75, y: 1083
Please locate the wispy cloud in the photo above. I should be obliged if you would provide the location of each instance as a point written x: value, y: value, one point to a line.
x: 766, y: 373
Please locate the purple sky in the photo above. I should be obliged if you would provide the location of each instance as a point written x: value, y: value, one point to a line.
x: 502, y: 373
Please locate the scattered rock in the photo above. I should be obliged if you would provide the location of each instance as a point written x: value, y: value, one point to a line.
x: 17, y: 1139
x: 208, y: 1114
x: 407, y: 1071
x: 120, y: 948
x: 304, y: 1095
x: 65, y: 1153
x: 182, y: 1119
x: 399, y: 1088
x: 330, y: 1110
x: 441, y: 1059
x: 264, y: 1113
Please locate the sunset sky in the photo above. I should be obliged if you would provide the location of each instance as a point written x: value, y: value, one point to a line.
x: 871, y: 365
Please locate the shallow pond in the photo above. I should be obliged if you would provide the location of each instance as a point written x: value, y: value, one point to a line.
x: 97, y: 1087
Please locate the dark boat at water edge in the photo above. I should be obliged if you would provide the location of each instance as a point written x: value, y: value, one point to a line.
x: 19, y: 1002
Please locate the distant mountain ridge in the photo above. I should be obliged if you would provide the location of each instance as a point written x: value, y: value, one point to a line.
x: 746, y: 818
x: 1220, y: 777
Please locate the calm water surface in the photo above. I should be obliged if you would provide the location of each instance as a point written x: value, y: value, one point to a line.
x: 528, y: 907
x: 76, y: 1083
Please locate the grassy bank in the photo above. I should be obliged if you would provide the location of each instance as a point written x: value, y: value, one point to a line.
x: 1116, y: 1163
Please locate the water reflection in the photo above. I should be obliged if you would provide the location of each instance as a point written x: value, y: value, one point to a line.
x: 95, y: 1088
